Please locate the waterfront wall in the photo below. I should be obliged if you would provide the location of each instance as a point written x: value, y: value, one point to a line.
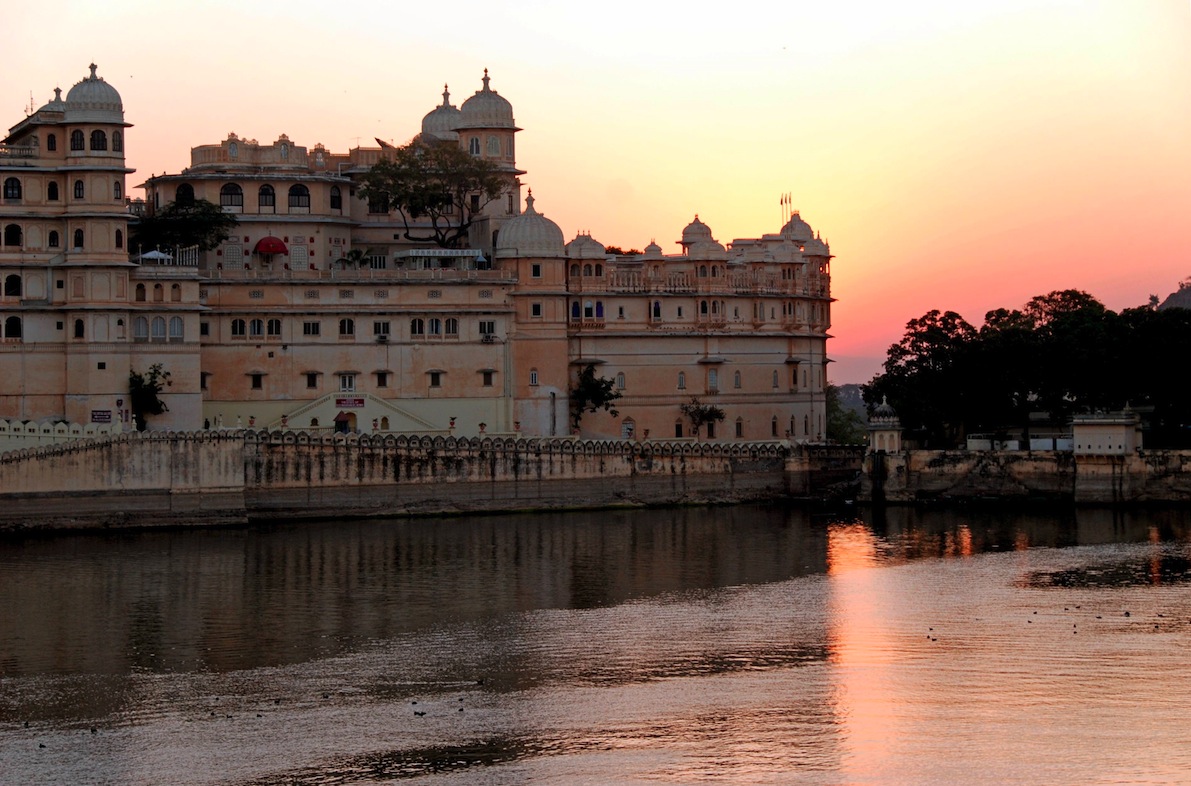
x: 937, y: 475
x: 230, y: 476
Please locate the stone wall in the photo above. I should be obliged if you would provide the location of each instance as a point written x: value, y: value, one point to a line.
x: 232, y: 476
x: 928, y: 475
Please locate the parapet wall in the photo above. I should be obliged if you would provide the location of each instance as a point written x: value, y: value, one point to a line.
x: 228, y: 476
x: 928, y: 475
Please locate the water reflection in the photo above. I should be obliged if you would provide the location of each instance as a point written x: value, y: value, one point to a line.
x: 733, y: 645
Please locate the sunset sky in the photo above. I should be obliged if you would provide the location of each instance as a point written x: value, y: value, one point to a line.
x: 957, y: 155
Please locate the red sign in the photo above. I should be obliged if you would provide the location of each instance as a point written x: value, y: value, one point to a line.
x: 350, y: 403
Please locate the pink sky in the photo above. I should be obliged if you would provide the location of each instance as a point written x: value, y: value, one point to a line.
x: 961, y: 156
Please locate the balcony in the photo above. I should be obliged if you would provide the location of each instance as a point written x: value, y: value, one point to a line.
x: 9, y: 154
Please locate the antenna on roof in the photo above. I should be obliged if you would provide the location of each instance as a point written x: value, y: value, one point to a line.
x: 31, y: 109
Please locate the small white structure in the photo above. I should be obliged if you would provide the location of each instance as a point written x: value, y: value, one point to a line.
x: 884, y: 430
x: 1110, y: 434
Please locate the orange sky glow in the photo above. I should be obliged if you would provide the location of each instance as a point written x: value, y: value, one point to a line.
x: 962, y: 156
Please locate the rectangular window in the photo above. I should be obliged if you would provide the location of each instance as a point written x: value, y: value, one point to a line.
x: 380, y: 329
x: 535, y: 310
x: 347, y: 383
x: 311, y: 379
x: 382, y: 379
x: 620, y: 312
x: 535, y: 270
x: 533, y: 377
x: 487, y: 376
x: 739, y: 429
x: 311, y: 328
x: 258, y: 381
x: 435, y: 379
x: 680, y: 312
x: 204, y: 328
x: 203, y: 380
x: 487, y: 327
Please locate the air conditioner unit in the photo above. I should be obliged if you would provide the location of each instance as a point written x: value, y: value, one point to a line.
x: 382, y: 338
x: 488, y: 338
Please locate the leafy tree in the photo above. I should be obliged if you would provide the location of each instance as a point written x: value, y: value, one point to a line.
x: 197, y: 223
x: 144, y: 393
x: 354, y: 257
x: 701, y: 414
x: 592, y: 394
x: 844, y: 426
x: 431, y: 183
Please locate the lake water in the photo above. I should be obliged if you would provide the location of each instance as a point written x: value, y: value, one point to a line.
x: 744, y: 645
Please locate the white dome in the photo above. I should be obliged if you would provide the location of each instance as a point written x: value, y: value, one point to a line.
x: 442, y: 121
x: 530, y: 235
x: 653, y: 251
x: 696, y: 231
x: 486, y: 109
x: 585, y: 247
x: 94, y: 101
x: 797, y: 229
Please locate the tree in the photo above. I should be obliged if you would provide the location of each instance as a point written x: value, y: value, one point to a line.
x: 436, y: 182
x: 198, y: 223
x: 701, y: 414
x: 144, y: 393
x: 844, y: 426
x: 592, y: 394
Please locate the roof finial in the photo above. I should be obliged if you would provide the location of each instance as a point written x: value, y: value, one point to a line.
x: 446, y: 96
x: 529, y: 202
x: 93, y: 67
x: 485, y: 80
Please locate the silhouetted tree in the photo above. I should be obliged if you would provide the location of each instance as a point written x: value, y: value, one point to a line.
x: 195, y: 223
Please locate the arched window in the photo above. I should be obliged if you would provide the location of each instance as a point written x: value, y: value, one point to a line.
x: 12, y: 286
x: 599, y: 309
x: 336, y: 198
x: 473, y: 145
x: 417, y: 327
x: 157, y: 330
x: 78, y: 238
x: 51, y: 142
x: 702, y: 271
x: 12, y: 188
x: 77, y: 140
x: 599, y: 270
x: 266, y: 196
x: 657, y: 309
x: 176, y: 293
x: 773, y: 426
x: 231, y: 195
x: 51, y: 191
x: 119, y: 238
x: 682, y: 380
x: 713, y: 379
x: 347, y: 327
x: 184, y: 195
x: 177, y: 330
x: 533, y: 377
x: 299, y: 195
x: 117, y: 141
x: 158, y: 293
x: 452, y: 326
x: 587, y: 270
x: 588, y: 309
x: 256, y: 328
x: 99, y: 140
x: 239, y: 328
x: 140, y: 329
x: 273, y: 328
x: 574, y: 271
x: 620, y: 381
x: 775, y: 380
x: 736, y: 380
x: 117, y: 189
x: 53, y: 239
x: 314, y: 423
x: 434, y: 326
x: 575, y: 309
x: 140, y: 293
x: 80, y: 190
x: 12, y: 235
x: 78, y: 328
x: 12, y: 327
x: 703, y: 307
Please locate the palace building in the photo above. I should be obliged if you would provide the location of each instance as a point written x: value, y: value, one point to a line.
x: 318, y: 314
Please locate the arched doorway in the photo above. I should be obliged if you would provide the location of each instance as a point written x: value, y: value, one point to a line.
x: 345, y: 423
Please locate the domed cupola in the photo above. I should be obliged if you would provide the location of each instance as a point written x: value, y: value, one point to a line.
x: 797, y: 230
x: 815, y: 247
x: 530, y: 234
x: 709, y: 250
x: 486, y: 109
x: 653, y: 251
x: 585, y: 247
x: 57, y: 105
x: 694, y: 232
x: 94, y: 101
x: 884, y: 414
x: 442, y: 121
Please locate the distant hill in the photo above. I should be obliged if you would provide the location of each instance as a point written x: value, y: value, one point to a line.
x: 850, y: 398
